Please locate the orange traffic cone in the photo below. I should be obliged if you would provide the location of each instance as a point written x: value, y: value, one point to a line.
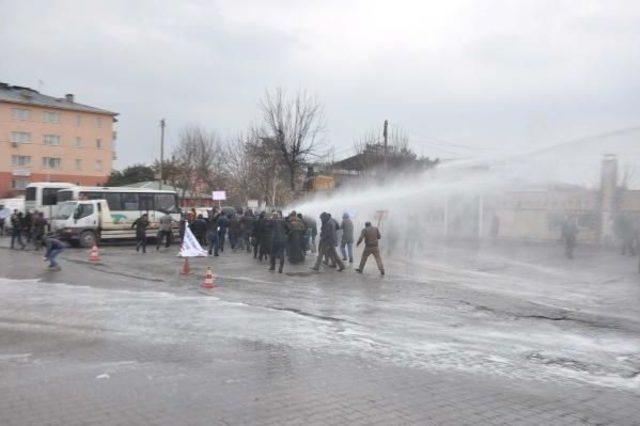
x: 185, y: 267
x: 94, y: 256
x: 209, y: 280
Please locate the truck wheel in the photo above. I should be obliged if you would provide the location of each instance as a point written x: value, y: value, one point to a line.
x: 87, y: 239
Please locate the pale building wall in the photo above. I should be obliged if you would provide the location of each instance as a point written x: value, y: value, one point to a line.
x: 71, y: 125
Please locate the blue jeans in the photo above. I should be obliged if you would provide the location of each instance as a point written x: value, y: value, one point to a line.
x: 214, y: 241
x: 52, y: 254
x: 16, y: 234
x: 349, y: 249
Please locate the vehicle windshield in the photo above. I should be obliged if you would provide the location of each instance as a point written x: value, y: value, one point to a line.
x: 65, y: 210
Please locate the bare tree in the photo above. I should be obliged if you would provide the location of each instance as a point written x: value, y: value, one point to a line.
x: 293, y: 126
x: 197, y: 161
x: 255, y: 171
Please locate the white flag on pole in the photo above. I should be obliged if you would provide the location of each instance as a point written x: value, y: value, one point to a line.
x: 190, y: 246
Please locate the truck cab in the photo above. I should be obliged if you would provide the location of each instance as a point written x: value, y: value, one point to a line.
x: 82, y: 222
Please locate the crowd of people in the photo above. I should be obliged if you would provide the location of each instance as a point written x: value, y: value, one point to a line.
x: 273, y: 237
x: 27, y: 229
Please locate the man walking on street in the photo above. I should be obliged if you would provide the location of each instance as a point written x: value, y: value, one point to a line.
x: 328, y: 243
x: 346, y: 244
x: 370, y: 235
x: 16, y: 229
x: 164, y: 231
x: 278, y: 241
x: 39, y: 229
x: 569, y: 234
x: 141, y: 224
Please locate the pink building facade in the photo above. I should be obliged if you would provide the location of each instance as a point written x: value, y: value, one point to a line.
x: 43, y: 138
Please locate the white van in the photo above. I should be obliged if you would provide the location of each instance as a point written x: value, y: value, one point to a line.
x: 43, y: 197
x: 86, y: 222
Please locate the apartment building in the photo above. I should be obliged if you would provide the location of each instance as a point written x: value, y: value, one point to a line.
x: 44, y: 138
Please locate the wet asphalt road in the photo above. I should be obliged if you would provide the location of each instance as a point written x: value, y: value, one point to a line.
x: 497, y: 335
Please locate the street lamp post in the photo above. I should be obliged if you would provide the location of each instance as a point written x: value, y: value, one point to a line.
x: 162, y: 124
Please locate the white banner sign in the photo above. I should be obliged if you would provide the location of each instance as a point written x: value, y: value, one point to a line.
x: 190, y: 246
x: 219, y: 195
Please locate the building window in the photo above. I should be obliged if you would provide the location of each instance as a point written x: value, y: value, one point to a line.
x: 98, y: 143
x: 99, y: 165
x: 78, y: 143
x: 19, y: 184
x: 20, y: 160
x: 99, y: 121
x: 20, y: 137
x: 78, y: 164
x: 51, y: 162
x: 78, y: 120
x: 20, y: 114
x: 51, y: 117
x: 52, y: 140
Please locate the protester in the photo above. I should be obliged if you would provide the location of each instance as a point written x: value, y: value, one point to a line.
x: 246, y: 229
x: 312, y: 228
x: 265, y: 232
x: 328, y: 242
x: 27, y: 224
x: 256, y: 227
x: 346, y: 244
x: 212, y: 232
x: 295, y: 239
x: 165, y: 231
x: 16, y: 229
x: 278, y: 241
x: 39, y: 229
x: 234, y: 231
x: 199, y: 229
x: 370, y: 235
x: 141, y: 224
x: 223, y: 224
x: 54, y: 248
x: 569, y: 234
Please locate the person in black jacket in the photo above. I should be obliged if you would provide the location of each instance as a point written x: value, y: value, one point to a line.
x: 141, y: 224
x: 278, y: 241
x: 199, y: 229
x: 328, y: 242
x: 223, y: 224
x: 16, y: 229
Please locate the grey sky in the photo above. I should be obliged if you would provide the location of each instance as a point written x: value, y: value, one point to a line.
x: 488, y: 74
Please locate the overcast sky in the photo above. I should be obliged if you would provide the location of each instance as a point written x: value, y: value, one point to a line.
x: 484, y: 74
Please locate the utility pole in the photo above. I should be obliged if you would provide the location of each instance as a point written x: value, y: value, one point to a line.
x: 386, y: 149
x: 162, y: 124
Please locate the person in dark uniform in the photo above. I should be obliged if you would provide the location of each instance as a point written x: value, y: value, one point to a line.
x: 295, y: 239
x: 141, y: 224
x: 278, y: 241
x: 265, y: 231
x: 569, y: 236
x: 370, y: 235
x: 223, y: 224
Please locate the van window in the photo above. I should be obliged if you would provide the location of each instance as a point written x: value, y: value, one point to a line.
x: 49, y: 196
x: 91, y: 195
x: 167, y: 203
x: 65, y: 196
x: 30, y: 194
x: 84, y: 210
x: 130, y: 201
x: 114, y: 200
x: 146, y: 202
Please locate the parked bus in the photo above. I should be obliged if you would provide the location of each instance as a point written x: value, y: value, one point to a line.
x: 87, y: 215
x: 42, y: 196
